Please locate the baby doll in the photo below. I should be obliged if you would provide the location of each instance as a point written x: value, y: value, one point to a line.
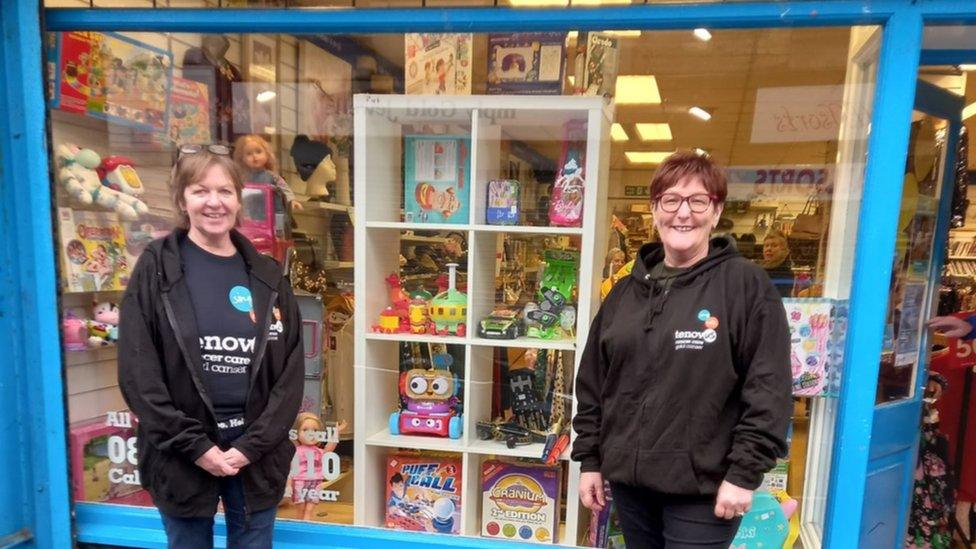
x: 306, y: 483
x: 254, y: 156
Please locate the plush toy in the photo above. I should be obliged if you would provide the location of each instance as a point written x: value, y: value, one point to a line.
x: 103, y: 329
x: 77, y: 173
x: 119, y: 173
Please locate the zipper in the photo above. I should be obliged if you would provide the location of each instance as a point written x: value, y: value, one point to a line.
x: 258, y: 359
x: 186, y: 355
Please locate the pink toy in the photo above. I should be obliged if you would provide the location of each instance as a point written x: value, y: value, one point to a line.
x: 75, y: 332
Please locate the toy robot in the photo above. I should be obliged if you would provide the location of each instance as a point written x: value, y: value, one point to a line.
x: 430, y: 404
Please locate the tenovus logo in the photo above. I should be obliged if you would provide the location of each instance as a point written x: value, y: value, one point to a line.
x: 240, y: 298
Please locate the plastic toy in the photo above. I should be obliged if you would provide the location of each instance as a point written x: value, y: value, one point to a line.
x: 560, y: 272
x: 77, y: 174
x: 74, y: 330
x: 449, y: 309
x: 566, y: 203
x: 551, y: 318
x: 511, y: 433
x: 119, y: 173
x: 503, y: 202
x: 501, y: 324
x: 103, y: 329
x: 430, y: 404
x: 418, y: 315
x: 406, y: 314
x: 264, y: 220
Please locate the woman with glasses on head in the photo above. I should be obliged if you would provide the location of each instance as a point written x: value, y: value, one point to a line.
x: 211, y: 362
x: 684, y: 387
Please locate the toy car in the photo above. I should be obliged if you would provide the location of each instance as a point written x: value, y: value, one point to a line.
x: 264, y: 220
x: 501, y: 324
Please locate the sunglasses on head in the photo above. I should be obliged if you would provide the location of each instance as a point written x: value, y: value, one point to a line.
x: 213, y: 148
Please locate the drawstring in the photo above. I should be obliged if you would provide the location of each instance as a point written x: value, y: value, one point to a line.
x: 656, y: 304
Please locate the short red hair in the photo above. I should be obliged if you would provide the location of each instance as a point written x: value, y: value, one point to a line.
x: 684, y: 164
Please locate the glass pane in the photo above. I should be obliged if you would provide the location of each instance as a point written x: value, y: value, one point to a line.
x: 909, y: 307
x: 483, y: 151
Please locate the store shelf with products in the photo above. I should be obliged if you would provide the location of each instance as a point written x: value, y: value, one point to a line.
x: 386, y: 197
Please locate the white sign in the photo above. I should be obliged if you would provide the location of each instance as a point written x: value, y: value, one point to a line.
x: 797, y: 113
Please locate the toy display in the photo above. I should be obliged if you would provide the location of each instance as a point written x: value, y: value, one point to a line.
x: 503, y: 206
x: 566, y: 199
x: 79, y: 178
x: 527, y: 63
x: 437, y: 178
x: 438, y: 64
x: 814, y: 347
x: 520, y: 501
x: 103, y: 329
x: 264, y: 220
x: 553, y: 317
x: 93, y: 251
x: 501, y: 324
x: 423, y: 493
x: 315, y: 462
x: 430, y: 403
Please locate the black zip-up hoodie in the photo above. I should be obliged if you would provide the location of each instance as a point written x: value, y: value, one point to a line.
x: 160, y: 374
x: 680, y: 389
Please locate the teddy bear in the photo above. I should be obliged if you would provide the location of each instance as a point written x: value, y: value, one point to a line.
x: 77, y: 174
x: 103, y: 329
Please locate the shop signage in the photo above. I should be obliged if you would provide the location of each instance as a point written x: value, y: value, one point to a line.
x: 637, y: 191
x: 779, y: 182
x: 797, y: 113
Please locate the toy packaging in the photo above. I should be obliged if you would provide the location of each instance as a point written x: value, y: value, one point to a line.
x: 437, y: 178
x: 93, y: 251
x: 604, y: 531
x: 566, y: 199
x: 528, y: 63
x: 189, y: 120
x: 438, y: 64
x: 815, y: 344
x: 520, y: 501
x: 103, y: 460
x: 503, y: 202
x: 423, y: 493
x: 771, y: 522
x: 600, y: 76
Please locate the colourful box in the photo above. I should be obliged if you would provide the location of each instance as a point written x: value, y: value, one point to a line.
x: 423, y: 493
x: 520, y: 501
x: 437, y: 179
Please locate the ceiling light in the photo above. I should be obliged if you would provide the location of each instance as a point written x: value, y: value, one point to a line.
x: 700, y: 151
x: 702, y: 34
x: 536, y: 3
x: 699, y: 112
x: 598, y: 2
x: 969, y: 111
x: 265, y: 96
x: 654, y: 132
x: 617, y: 133
x: 641, y: 157
x: 637, y: 89
x: 967, y: 67
x: 572, y: 80
x: 572, y: 36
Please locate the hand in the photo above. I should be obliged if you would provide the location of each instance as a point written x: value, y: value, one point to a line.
x: 296, y: 205
x: 950, y: 326
x: 591, y: 491
x: 236, y: 459
x: 732, y: 501
x: 214, y: 461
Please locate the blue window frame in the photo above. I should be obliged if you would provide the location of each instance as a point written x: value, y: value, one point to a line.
x: 34, y: 278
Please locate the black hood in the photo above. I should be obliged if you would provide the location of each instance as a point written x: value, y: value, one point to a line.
x: 720, y: 250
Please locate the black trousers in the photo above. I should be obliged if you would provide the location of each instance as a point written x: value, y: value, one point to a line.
x: 651, y: 520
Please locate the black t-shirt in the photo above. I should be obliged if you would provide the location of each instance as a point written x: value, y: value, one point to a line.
x: 219, y: 289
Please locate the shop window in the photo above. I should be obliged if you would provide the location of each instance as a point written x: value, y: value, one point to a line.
x: 471, y: 206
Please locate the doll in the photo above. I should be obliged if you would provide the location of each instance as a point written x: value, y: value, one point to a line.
x: 307, y: 482
x: 253, y: 154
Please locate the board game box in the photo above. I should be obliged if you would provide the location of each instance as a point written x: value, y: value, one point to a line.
x: 437, y: 178
x: 423, y: 493
x: 529, y: 63
x: 520, y: 501
x: 93, y: 251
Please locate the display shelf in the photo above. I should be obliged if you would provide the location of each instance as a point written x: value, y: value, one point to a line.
x: 496, y: 448
x: 404, y: 226
x: 527, y: 343
x: 74, y: 358
x: 336, y: 265
x: 432, y: 444
x: 381, y: 122
x: 314, y: 205
x: 528, y: 229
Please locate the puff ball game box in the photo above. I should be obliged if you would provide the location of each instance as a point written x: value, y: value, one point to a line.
x: 520, y: 501
x: 423, y: 493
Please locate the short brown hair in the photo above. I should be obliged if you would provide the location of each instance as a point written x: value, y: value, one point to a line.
x: 190, y: 169
x: 688, y: 163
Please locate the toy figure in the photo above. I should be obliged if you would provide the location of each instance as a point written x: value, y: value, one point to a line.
x: 255, y: 157
x: 77, y: 175
x: 419, y: 317
x: 430, y: 404
x: 449, y: 309
x: 307, y: 482
x: 103, y: 329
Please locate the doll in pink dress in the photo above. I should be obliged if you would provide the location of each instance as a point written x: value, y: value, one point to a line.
x: 309, y: 450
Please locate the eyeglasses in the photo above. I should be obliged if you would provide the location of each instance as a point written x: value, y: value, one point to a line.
x: 213, y: 148
x: 698, y: 203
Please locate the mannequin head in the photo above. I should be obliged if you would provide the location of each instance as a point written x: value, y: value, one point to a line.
x: 215, y: 46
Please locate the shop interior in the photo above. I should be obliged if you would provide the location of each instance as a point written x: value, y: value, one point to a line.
x: 769, y: 105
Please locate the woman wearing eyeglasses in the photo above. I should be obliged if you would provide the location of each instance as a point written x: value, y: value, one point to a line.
x: 684, y: 387
x: 211, y: 362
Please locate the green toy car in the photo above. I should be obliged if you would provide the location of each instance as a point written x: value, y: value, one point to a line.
x: 501, y: 324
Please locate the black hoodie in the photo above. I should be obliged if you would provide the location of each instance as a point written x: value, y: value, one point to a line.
x: 681, y: 388
x: 161, y: 378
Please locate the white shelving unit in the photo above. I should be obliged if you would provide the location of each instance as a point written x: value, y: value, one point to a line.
x: 381, y: 121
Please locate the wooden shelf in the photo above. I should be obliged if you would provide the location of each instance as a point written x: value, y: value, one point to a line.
x: 402, y: 226
x: 498, y: 448
x: 434, y: 444
x: 526, y: 229
x: 527, y: 343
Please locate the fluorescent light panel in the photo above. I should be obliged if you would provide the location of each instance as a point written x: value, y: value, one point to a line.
x: 654, y: 132
x: 644, y: 157
x: 967, y: 67
x: 617, y: 133
x: 574, y: 35
x: 702, y: 34
x: 265, y: 96
x: 701, y: 113
x: 637, y: 89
